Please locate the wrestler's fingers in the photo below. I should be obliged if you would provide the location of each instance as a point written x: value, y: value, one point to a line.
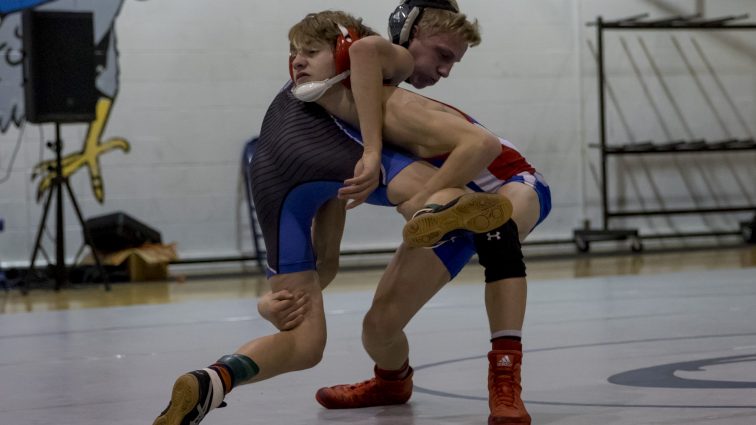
x: 293, y: 323
x: 363, y: 178
x: 362, y: 195
x: 347, y: 192
x: 297, y: 304
x: 358, y: 192
x: 357, y: 186
x: 299, y: 312
x: 281, y: 295
x: 294, y: 318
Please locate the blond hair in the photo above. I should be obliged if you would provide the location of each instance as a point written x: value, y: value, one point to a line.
x: 440, y: 21
x: 322, y: 27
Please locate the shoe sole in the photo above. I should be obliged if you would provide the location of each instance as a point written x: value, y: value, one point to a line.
x: 183, y: 398
x: 493, y: 420
x: 476, y: 212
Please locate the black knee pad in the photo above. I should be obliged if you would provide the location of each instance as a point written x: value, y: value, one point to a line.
x: 500, y: 252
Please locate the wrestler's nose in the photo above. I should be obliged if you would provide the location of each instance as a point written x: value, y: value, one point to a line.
x: 298, y: 62
x: 444, y: 70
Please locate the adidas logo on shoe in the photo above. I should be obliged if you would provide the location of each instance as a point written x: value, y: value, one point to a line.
x: 504, y: 361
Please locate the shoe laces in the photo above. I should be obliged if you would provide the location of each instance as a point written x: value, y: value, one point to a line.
x: 353, y: 392
x: 503, y: 389
x: 363, y: 384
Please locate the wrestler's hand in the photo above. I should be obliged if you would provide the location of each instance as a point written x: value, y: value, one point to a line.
x: 367, y: 173
x: 285, y: 310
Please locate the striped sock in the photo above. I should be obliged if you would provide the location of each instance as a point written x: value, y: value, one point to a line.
x: 235, y: 369
x: 223, y: 372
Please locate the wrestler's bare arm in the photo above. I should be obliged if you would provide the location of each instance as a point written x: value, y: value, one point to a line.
x: 374, y: 61
x: 426, y: 128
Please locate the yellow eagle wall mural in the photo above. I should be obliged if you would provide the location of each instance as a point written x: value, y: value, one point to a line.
x: 105, y: 13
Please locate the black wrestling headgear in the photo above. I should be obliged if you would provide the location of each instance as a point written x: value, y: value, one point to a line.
x: 404, y: 17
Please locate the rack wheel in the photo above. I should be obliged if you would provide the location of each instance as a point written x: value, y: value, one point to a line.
x: 581, y: 244
x: 636, y: 245
x: 747, y: 232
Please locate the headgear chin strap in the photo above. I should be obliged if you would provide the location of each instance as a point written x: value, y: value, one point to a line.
x: 314, y: 90
x: 404, y: 17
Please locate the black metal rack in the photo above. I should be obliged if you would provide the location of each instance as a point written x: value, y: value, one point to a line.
x: 583, y: 237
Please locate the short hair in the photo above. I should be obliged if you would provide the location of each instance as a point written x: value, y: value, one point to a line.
x: 439, y: 21
x: 322, y: 27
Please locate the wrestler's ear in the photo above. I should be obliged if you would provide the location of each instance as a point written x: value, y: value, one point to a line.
x: 414, y: 33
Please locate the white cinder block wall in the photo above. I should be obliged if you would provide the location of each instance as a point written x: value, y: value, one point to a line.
x: 195, y: 79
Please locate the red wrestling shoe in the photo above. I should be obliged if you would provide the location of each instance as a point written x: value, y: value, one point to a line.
x: 504, y: 389
x: 373, y: 392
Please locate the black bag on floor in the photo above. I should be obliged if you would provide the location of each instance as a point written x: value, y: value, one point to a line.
x: 117, y: 231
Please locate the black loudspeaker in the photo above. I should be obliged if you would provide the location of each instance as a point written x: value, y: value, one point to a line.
x: 59, y: 66
x: 117, y: 231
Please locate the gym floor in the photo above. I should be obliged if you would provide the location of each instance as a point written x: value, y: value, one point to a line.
x: 652, y: 338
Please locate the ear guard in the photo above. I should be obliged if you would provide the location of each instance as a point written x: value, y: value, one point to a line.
x: 341, y: 51
x: 404, y: 17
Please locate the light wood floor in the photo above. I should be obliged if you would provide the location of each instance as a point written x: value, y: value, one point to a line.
x: 184, y: 287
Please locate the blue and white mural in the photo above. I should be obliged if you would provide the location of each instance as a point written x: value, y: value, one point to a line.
x: 105, y: 13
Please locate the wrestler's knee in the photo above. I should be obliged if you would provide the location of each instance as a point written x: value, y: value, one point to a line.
x: 500, y: 253
x: 312, y: 357
x: 310, y: 345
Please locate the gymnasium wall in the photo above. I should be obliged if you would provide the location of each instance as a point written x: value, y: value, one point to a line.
x: 190, y: 82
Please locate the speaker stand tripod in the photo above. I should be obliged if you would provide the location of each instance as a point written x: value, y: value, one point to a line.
x: 56, y: 187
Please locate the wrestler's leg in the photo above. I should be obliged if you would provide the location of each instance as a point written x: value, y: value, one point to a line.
x: 296, y: 349
x: 476, y: 212
x: 196, y: 393
x: 407, y: 183
x: 284, y: 308
x: 327, y: 231
x: 412, y: 278
x: 293, y: 269
x: 506, y: 297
